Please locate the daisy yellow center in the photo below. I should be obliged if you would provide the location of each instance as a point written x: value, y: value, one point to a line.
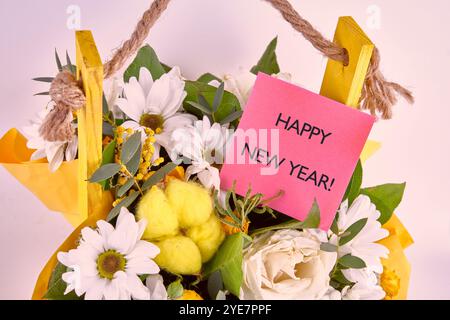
x: 109, y: 262
x: 152, y: 121
x: 390, y: 282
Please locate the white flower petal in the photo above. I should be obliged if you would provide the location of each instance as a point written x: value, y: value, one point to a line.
x: 145, y: 80
x: 137, y: 288
x: 71, y: 149
x: 155, y: 285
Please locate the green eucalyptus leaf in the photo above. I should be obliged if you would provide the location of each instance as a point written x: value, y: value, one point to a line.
x: 200, y: 107
x: 175, y: 290
x: 232, y: 117
x: 352, y: 231
x: 105, y: 172
x: 58, y: 61
x: 351, y: 262
x: 57, y: 286
x: 45, y: 93
x: 334, y: 226
x: 386, y: 198
x: 108, y: 157
x: 328, y: 247
x: 195, y: 89
x: 133, y: 164
x: 268, y: 62
x: 146, y: 58
x: 312, y: 221
x: 218, y: 97
x: 44, y: 79
x: 354, y: 186
x: 158, y: 175
x: 125, y: 187
x: 71, y: 67
x: 130, y: 147
x: 215, y: 284
x: 128, y: 201
x: 228, y: 260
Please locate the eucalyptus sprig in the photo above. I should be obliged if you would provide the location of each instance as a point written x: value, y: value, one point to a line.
x: 241, y: 207
x: 211, y: 110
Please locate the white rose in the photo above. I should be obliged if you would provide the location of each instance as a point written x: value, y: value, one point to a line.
x: 286, y: 264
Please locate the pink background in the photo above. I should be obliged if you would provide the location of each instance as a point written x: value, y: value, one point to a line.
x: 337, y: 157
x: 221, y: 36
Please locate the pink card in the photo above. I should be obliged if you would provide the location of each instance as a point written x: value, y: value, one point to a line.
x: 297, y: 141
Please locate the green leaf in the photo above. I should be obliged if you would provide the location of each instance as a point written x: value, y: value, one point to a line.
x: 133, y: 164
x: 130, y: 147
x: 354, y: 186
x: 352, y: 231
x: 351, y: 262
x: 328, y: 247
x: 57, y: 286
x: 195, y: 89
x: 386, y: 198
x: 45, y: 93
x: 339, y: 277
x: 58, y: 61
x: 207, y: 78
x: 44, y: 79
x: 215, y: 284
x: 105, y: 172
x: 232, y: 117
x: 124, y: 188
x: 175, y: 290
x: 312, y: 221
x: 334, y: 226
x: 200, y: 107
x: 228, y: 260
x: 158, y: 175
x: 218, y: 97
x: 268, y: 62
x: 108, y: 157
x: 71, y: 67
x: 128, y: 201
x: 146, y: 58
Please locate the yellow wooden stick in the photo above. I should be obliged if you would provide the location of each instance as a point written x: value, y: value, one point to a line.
x: 344, y: 83
x: 90, y: 69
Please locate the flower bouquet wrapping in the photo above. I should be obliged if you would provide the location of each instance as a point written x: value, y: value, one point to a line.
x: 159, y: 224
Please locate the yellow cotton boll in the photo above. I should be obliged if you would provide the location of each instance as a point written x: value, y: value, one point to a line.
x: 179, y: 255
x: 161, y: 218
x: 208, y: 237
x: 191, y: 202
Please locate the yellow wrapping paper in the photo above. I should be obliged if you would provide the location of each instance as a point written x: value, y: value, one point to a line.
x: 396, y: 266
x: 58, y: 191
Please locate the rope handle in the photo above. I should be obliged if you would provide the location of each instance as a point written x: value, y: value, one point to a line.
x: 378, y: 95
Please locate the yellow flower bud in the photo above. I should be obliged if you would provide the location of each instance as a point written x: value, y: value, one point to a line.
x: 139, y: 176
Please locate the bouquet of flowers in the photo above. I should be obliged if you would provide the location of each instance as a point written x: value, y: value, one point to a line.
x: 172, y: 232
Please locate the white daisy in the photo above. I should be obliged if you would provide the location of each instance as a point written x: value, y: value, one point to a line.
x: 204, y: 144
x: 108, y: 261
x: 366, y: 285
x: 55, y: 151
x: 363, y: 245
x: 155, y: 105
x: 113, y: 91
